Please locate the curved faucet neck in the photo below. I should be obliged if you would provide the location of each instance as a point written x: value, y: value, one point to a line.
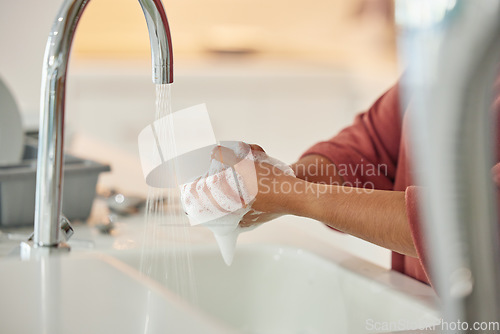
x: 48, y: 200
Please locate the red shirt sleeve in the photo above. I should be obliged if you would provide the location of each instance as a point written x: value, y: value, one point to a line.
x: 366, y: 153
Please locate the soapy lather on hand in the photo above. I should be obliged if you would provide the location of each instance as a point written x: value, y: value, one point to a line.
x: 227, y: 198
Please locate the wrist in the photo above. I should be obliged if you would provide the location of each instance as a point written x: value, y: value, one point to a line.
x: 308, y: 199
x: 285, y: 194
x: 298, y: 196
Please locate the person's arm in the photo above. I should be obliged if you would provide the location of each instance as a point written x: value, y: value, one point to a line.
x: 364, y: 155
x: 376, y: 216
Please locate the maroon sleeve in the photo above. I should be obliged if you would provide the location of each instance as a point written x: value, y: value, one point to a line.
x: 366, y: 153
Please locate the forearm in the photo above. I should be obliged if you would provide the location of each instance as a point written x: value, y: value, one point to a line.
x: 373, y: 215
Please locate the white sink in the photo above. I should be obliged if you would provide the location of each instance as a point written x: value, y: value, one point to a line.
x: 90, y: 294
x: 287, y: 277
x: 280, y: 289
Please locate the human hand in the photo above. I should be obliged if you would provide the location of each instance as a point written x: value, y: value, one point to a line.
x: 241, y: 180
x: 269, y: 201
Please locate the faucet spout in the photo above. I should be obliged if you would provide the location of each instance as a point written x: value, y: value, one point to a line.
x: 48, y: 202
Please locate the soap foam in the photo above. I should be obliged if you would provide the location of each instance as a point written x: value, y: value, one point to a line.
x: 221, y: 198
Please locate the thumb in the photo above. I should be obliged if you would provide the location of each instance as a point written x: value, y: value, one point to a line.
x: 256, y: 147
x: 224, y: 155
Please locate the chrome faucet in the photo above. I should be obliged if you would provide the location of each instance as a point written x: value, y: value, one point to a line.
x: 49, y: 178
x: 452, y: 49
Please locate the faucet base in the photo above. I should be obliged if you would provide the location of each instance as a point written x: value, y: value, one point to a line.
x: 28, y: 250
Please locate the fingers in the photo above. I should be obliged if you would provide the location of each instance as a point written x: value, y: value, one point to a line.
x: 204, y: 189
x: 224, y: 155
x: 256, y: 147
x: 227, y: 156
x: 247, y: 222
x: 223, y: 189
x: 254, y: 217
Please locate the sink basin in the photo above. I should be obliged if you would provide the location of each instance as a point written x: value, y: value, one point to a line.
x: 278, y: 283
x: 281, y: 289
x: 90, y: 294
x: 287, y: 277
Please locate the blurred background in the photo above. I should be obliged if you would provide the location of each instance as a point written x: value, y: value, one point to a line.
x: 283, y: 74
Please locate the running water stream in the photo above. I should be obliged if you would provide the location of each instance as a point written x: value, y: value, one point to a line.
x: 166, y: 254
